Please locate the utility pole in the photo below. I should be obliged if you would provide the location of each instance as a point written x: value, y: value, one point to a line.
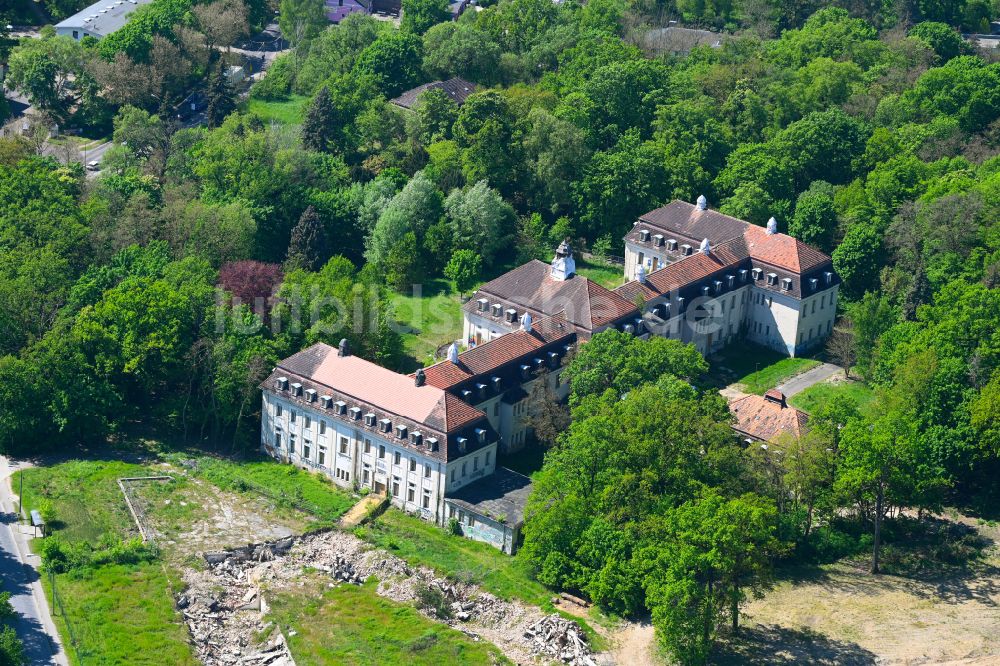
x: 20, y: 497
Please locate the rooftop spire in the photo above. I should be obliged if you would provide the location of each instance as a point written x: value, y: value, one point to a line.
x: 772, y: 226
x: 453, y: 353
x: 526, y: 322
x: 702, y: 202
x: 706, y: 247
x: 563, y: 266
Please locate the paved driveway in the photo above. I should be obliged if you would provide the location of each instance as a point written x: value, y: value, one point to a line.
x: 800, y: 383
x: 19, y: 577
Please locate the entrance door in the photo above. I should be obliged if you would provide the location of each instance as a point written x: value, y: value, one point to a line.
x: 379, y: 488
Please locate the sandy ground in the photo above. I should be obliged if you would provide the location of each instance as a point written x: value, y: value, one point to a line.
x: 841, y: 614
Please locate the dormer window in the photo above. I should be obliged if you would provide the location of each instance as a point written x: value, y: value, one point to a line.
x: 481, y: 435
x: 672, y: 244
x: 757, y: 273
x: 401, y: 431
x: 658, y: 240
x: 355, y: 413
x: 467, y: 395
x: 462, y: 443
x: 743, y: 275
x: 369, y: 419
x: 484, y: 304
x: 281, y: 383
x: 644, y: 235
x: 385, y: 425
x: 828, y: 276
x: 538, y: 363
x: 686, y: 250
x: 340, y: 407
x: 511, y: 315
x: 813, y: 284
x: 497, y: 383
x: 730, y: 281
x: 705, y: 290
x: 325, y: 401
x: 496, y: 309
x: 525, y: 371
x: 296, y: 389
x: 310, y: 395
x: 432, y: 443
x: 628, y: 328
x: 553, y: 360
x: 786, y: 283
x: 772, y: 279
x: 718, y: 286
x: 481, y: 390
x: 416, y: 438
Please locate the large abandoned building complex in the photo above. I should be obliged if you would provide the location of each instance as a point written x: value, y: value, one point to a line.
x: 430, y: 440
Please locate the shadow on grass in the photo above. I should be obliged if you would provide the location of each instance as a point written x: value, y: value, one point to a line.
x: 771, y: 644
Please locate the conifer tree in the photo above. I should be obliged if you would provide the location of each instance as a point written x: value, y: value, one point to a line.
x: 318, y: 126
x: 306, y: 248
x: 220, y: 98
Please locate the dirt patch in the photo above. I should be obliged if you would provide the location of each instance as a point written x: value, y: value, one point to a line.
x: 634, y: 643
x: 842, y: 614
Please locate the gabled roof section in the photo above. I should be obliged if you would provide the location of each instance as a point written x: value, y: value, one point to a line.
x: 579, y: 301
x: 684, y: 219
x: 488, y: 356
x: 372, y: 384
x: 696, y: 267
x: 457, y: 89
x: 782, y: 250
x: 766, y: 417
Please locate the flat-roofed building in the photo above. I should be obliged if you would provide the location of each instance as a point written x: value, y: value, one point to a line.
x: 99, y: 19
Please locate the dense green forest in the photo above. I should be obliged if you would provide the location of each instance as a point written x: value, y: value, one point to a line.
x: 161, y: 292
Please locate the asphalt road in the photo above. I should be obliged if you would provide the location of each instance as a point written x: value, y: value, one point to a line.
x: 34, y: 624
x: 801, y: 382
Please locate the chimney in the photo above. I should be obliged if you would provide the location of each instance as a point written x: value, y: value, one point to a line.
x: 342, y: 349
x: 453, y: 353
x: 772, y: 227
x: 777, y: 397
x: 419, y: 378
x: 702, y: 202
x: 563, y: 265
x: 640, y: 275
x: 526, y: 322
x: 706, y: 247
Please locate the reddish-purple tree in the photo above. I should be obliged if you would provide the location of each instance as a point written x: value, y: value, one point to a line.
x: 249, y: 280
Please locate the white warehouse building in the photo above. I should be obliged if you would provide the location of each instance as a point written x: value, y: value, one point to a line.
x: 99, y: 19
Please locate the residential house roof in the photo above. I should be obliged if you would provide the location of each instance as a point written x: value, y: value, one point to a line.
x: 501, y: 496
x: 458, y: 89
x: 765, y: 417
x: 103, y: 17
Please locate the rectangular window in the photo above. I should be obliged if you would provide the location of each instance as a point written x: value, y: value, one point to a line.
x: 488, y: 455
x: 454, y: 473
x: 395, y: 458
x: 322, y: 427
x: 413, y: 464
x: 427, y: 499
x: 306, y: 448
x: 381, y: 451
x: 470, y: 520
x: 277, y: 440
x: 308, y: 423
x: 291, y: 416
x: 475, y: 464
x: 427, y: 471
x: 76, y: 34
x: 395, y: 486
x: 409, y: 494
x: 368, y: 446
x: 463, y: 468
x: 277, y: 410
x: 291, y: 443
x: 814, y: 307
x: 321, y: 456
x: 496, y: 409
x: 451, y: 511
x: 343, y: 445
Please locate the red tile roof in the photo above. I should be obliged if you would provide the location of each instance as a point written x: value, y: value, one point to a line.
x: 781, y: 250
x: 764, y: 419
x: 488, y: 356
x: 372, y: 384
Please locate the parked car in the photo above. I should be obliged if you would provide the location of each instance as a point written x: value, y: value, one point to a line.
x: 93, y: 165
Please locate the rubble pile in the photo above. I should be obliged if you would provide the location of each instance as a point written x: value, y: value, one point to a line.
x: 558, y: 637
x: 225, y: 608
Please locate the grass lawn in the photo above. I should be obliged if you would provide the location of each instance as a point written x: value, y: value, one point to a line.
x: 818, y: 395
x: 118, y: 614
x: 84, y: 496
x: 430, y: 318
x: 309, y: 491
x: 287, y: 112
x: 121, y: 615
x: 768, y: 377
x: 353, y: 625
x: 606, y: 275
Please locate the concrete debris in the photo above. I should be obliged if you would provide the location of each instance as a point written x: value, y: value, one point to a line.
x: 225, y: 606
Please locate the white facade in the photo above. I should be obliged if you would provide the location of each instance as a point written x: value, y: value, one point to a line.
x: 355, y: 458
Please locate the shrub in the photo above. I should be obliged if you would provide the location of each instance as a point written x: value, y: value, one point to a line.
x: 432, y: 600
